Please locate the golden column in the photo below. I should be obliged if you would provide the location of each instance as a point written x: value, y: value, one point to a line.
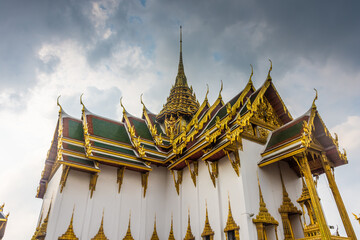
x: 339, y: 202
x: 305, y: 168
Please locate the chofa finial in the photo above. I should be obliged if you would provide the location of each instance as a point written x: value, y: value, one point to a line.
x: 58, y: 103
x: 316, y: 97
x: 269, y: 77
x: 252, y: 73
x: 207, y: 92
x: 221, y: 88
x: 121, y: 104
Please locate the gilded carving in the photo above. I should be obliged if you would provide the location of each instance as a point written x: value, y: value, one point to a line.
x: 144, y: 181
x: 213, y: 171
x: 177, y: 181
x: 92, y: 185
x: 193, y: 173
x: 69, y: 234
x: 234, y: 163
x: 120, y: 177
x: 64, y: 175
x: 231, y: 229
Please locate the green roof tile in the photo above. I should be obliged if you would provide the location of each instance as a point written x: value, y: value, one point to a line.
x: 283, y: 134
x: 113, y: 148
x: 141, y: 129
x: 80, y: 161
x: 73, y: 147
x: 76, y: 130
x: 110, y: 130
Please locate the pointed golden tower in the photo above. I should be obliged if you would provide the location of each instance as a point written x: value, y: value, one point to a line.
x: 128, y: 235
x: 189, y: 235
x: 100, y: 234
x: 264, y: 218
x: 69, y: 234
x: 171, y: 234
x: 43, y: 228
x: 231, y: 229
x: 38, y: 227
x: 154, y: 235
x: 207, y: 233
x: 181, y: 104
x: 286, y: 209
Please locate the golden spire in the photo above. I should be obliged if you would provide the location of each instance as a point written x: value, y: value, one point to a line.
x: 221, y: 88
x: 264, y: 216
x: 230, y: 223
x: 69, y: 234
x: 189, y: 235
x: 207, y: 228
x: 154, y: 235
x: 128, y: 233
x: 181, y: 78
x: 287, y: 206
x: 171, y: 234
x: 182, y: 100
x: 38, y: 226
x: 43, y: 227
x: 100, y: 234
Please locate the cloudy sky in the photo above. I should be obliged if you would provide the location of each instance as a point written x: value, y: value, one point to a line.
x: 112, y: 48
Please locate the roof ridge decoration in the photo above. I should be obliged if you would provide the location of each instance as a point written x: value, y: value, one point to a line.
x: 128, y: 235
x: 189, y: 235
x: 131, y: 129
x: 69, y: 234
x: 207, y: 228
x: 154, y: 235
x: 157, y: 137
x: 231, y: 224
x: 181, y: 101
x: 171, y: 234
x: 88, y: 146
x: 100, y: 234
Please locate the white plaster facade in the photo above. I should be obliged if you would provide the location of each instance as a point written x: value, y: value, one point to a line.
x: 162, y: 199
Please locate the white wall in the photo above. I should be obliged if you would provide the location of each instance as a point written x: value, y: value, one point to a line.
x: 162, y: 199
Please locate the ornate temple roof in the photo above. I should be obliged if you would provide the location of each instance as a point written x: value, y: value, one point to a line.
x: 182, y: 99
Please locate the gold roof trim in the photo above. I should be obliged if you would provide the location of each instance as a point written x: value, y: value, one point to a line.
x: 69, y: 234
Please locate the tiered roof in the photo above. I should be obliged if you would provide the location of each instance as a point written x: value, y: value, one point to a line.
x: 210, y: 133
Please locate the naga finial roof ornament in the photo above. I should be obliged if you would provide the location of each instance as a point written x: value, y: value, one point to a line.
x: 252, y: 73
x: 58, y: 103
x: 207, y: 92
x: 269, y: 77
x: 316, y: 97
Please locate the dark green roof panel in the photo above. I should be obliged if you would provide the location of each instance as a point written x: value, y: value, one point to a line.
x: 282, y: 135
x: 113, y: 148
x: 76, y: 130
x: 110, y: 130
x: 80, y: 161
x: 141, y: 129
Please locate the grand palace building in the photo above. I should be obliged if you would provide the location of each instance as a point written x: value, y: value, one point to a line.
x: 242, y: 169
